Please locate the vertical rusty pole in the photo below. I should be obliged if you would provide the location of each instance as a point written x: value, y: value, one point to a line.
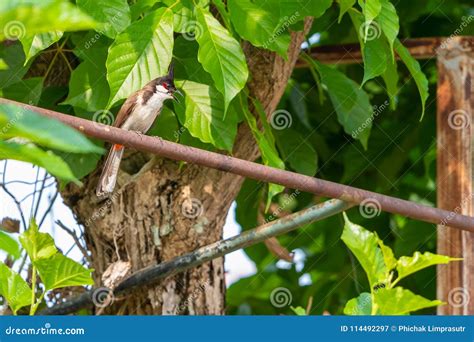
x: 455, y: 284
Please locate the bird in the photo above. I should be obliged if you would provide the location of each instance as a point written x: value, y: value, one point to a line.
x: 137, y: 114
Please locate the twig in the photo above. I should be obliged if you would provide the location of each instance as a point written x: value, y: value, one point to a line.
x: 34, y: 192
x: 49, y: 208
x: 40, y: 194
x: 74, y: 236
x: 18, y: 205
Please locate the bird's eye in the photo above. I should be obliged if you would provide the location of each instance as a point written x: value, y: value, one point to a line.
x: 165, y: 85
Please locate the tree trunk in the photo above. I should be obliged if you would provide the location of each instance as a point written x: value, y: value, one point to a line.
x: 161, y: 210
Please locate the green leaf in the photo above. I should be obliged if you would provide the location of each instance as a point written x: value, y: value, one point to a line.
x: 141, y: 6
x: 149, y: 45
x: 81, y: 164
x: 204, y: 115
x: 32, y: 45
x: 389, y: 22
x: 113, y: 16
x: 391, y: 78
x: 189, y: 67
x: 14, y: 289
x: 303, y: 8
x: 408, y: 265
x: 344, y: 5
x: 183, y: 16
x: 258, y: 26
x: 221, y: 55
x: 415, y: 70
x: 359, y: 306
x: 375, y: 50
x: 3, y: 65
x: 59, y: 271
x: 26, y: 91
x: 399, y: 301
x: 364, y: 246
x: 354, y: 111
x: 371, y: 9
x: 297, y: 99
x: 9, y: 245
x: 221, y: 8
x: 34, y: 155
x: 166, y: 126
x: 88, y: 88
x: 297, y: 151
x: 299, y: 311
x: 388, y: 257
x: 376, y: 56
x: 14, y: 57
x: 266, y: 146
x: 25, y: 18
x: 37, y: 245
x: 21, y: 122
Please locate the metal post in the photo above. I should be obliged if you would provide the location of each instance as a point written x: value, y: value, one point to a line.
x: 455, y: 172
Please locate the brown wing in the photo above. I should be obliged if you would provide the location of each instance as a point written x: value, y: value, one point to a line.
x: 125, y: 110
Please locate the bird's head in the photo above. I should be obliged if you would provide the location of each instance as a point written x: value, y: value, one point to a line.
x: 165, y: 85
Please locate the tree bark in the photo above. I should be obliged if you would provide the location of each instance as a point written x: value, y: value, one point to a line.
x: 162, y: 209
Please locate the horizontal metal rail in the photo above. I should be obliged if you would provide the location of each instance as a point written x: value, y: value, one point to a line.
x: 182, y: 263
x: 420, y: 48
x: 257, y: 171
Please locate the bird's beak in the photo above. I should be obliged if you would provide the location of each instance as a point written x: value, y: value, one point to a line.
x: 173, y: 93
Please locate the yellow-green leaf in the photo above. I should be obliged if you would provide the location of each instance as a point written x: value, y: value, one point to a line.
x: 14, y: 289
x: 221, y: 55
x: 37, y: 245
x: 60, y: 271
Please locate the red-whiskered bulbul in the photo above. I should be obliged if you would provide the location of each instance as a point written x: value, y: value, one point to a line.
x: 137, y: 114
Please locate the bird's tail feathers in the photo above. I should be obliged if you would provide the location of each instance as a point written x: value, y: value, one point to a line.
x: 108, y: 178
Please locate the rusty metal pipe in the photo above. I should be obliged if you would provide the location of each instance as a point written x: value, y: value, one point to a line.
x: 420, y: 48
x: 256, y: 171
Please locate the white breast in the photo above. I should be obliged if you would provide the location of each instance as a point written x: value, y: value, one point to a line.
x: 143, y: 116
